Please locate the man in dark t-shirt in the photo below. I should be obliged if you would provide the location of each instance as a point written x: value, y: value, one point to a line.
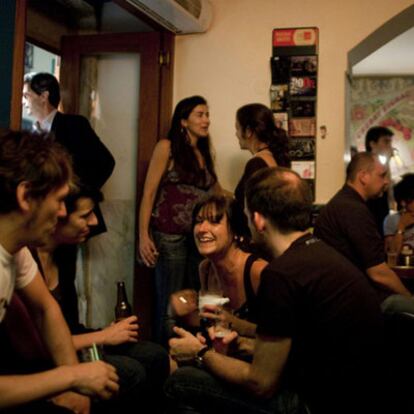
x: 348, y: 226
x: 327, y: 307
x: 319, y: 331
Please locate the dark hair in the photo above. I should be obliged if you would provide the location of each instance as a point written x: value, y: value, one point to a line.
x: 280, y: 195
x: 221, y: 205
x: 374, y: 134
x: 360, y: 162
x: 404, y: 190
x: 36, y: 159
x: 183, y: 155
x: 41, y: 82
x: 82, y: 191
x: 259, y: 119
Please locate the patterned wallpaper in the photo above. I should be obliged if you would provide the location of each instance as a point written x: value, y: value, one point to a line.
x: 389, y: 102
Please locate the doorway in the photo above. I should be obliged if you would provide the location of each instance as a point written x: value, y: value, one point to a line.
x: 115, y: 80
x: 383, y: 95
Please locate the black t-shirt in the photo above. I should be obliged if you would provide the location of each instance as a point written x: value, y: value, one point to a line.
x: 347, y: 225
x: 253, y: 165
x: 380, y: 209
x: 315, y: 296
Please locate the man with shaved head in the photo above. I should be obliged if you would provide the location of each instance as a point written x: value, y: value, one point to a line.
x: 347, y: 224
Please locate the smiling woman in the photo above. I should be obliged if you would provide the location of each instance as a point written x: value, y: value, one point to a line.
x: 227, y: 270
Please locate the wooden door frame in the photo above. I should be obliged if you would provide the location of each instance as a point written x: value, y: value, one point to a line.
x: 13, y: 21
x: 155, y: 104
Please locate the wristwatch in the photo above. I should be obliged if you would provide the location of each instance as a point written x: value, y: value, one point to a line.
x: 199, y: 358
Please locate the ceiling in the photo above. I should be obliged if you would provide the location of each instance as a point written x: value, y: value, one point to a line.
x: 394, y: 58
x: 90, y: 15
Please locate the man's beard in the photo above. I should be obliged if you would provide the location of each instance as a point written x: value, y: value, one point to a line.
x: 260, y: 243
x: 39, y: 239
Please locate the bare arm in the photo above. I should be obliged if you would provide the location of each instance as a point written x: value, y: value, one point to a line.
x: 261, y: 377
x: 243, y: 327
x: 94, y: 378
x: 117, y: 333
x: 50, y: 321
x: 158, y: 165
x: 384, y: 276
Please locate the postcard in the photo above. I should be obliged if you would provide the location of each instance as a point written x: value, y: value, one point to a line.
x: 302, y: 127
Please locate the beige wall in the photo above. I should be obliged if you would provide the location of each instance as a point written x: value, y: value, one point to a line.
x: 229, y: 65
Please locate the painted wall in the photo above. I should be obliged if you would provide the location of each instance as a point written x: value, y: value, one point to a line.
x: 229, y: 65
x: 111, y: 254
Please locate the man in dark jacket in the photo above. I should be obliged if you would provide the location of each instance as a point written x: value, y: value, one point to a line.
x: 92, y: 161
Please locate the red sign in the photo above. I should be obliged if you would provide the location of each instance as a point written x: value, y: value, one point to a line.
x: 295, y: 37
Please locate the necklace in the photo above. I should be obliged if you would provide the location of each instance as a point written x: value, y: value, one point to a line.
x: 262, y: 149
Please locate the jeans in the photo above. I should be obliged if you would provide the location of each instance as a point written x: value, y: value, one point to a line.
x: 196, y: 388
x: 397, y: 304
x: 176, y: 269
x: 142, y: 368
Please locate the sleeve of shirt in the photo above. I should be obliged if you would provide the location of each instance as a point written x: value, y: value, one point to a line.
x: 26, y: 268
x: 390, y: 224
x: 276, y: 305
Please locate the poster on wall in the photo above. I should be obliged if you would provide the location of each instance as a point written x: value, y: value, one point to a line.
x: 302, y: 127
x: 301, y: 149
x: 279, y: 97
x: 281, y: 120
x: 302, y: 86
x: 303, y: 65
x: 280, y: 67
x: 301, y: 108
x: 306, y: 169
x: 295, y: 41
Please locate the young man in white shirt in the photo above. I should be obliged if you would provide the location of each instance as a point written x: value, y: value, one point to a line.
x: 35, y: 176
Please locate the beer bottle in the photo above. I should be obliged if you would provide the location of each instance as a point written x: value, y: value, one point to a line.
x: 122, y: 308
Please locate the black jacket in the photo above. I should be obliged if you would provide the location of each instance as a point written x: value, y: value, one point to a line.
x: 92, y: 161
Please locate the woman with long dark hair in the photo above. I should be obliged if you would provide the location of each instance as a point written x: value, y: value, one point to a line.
x: 181, y: 174
x: 257, y: 132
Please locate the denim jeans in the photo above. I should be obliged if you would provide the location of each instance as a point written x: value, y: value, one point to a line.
x: 397, y: 304
x: 176, y: 269
x: 196, y: 388
x: 142, y: 368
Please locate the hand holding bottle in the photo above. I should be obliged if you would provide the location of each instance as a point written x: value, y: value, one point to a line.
x: 125, y: 330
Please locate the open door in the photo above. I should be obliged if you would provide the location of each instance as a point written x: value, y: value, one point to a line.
x: 123, y: 84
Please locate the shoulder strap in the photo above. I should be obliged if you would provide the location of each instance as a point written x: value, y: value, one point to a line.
x: 247, y: 279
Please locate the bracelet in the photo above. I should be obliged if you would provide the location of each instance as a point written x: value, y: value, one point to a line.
x: 199, y: 358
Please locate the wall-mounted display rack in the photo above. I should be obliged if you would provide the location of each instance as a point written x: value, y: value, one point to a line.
x: 293, y: 94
